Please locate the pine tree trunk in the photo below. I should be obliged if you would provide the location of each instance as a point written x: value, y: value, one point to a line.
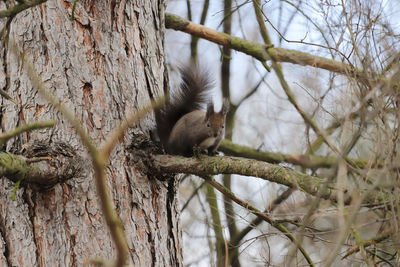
x: 107, y: 62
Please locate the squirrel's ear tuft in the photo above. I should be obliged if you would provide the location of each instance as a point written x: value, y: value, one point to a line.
x: 210, y: 110
x: 225, y: 107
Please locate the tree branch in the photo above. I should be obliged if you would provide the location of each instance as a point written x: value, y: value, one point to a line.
x: 374, y: 241
x: 211, y: 198
x: 12, y: 11
x: 4, y: 137
x: 259, y: 51
x: 226, y: 192
x: 63, y: 165
x: 253, y: 224
x: 205, y: 165
x: 307, y: 161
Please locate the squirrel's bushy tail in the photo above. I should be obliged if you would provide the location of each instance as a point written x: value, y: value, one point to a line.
x: 193, y: 93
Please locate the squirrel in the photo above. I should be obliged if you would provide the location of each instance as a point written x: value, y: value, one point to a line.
x: 183, y: 125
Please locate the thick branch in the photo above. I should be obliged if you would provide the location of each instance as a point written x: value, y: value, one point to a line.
x: 16, y: 168
x: 63, y: 165
x: 230, y: 165
x: 206, y: 165
x: 257, y: 50
x: 307, y: 161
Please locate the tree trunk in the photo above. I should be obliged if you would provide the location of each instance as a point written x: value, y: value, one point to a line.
x: 107, y: 62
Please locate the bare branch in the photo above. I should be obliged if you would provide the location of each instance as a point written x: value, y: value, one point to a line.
x: 374, y: 241
x: 259, y: 51
x: 258, y: 220
x: 260, y: 214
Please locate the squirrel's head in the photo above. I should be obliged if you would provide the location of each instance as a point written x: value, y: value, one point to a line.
x: 216, y: 120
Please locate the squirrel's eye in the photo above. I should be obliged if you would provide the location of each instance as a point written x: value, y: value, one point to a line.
x: 223, y: 126
x: 208, y: 125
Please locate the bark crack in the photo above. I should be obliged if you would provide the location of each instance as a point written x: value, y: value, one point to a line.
x: 172, y: 245
x: 3, y: 237
x: 151, y: 240
x: 131, y: 202
x: 28, y: 198
x: 152, y: 249
x: 148, y: 87
x: 5, y: 88
x: 72, y: 237
x: 113, y: 93
x: 151, y: 237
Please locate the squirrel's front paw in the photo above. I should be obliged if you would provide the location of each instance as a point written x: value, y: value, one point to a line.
x: 197, y: 151
x: 213, y: 153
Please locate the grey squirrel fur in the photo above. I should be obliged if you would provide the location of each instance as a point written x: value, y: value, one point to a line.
x: 183, y: 124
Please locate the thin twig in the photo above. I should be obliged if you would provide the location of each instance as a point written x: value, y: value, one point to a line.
x: 374, y: 241
x: 258, y: 220
x: 258, y: 213
x: 194, y: 193
x: 12, y: 11
x: 7, y: 96
x: 119, y: 133
x: 4, y: 137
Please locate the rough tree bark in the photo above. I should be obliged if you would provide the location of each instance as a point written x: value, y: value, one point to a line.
x: 107, y: 62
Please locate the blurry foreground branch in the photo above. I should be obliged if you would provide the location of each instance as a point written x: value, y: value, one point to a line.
x: 99, y: 159
x: 21, y: 6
